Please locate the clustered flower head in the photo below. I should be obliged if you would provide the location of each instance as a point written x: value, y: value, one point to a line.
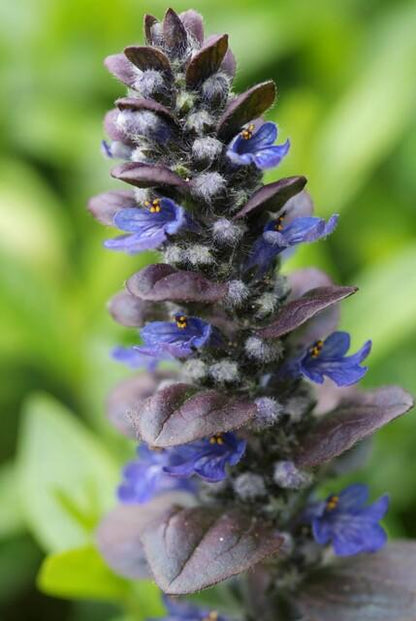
x: 240, y: 405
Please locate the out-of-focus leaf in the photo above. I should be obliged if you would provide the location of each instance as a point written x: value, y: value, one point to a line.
x: 66, y: 478
x: 11, y: 519
x: 118, y: 535
x: 80, y: 573
x: 372, y: 116
x: 32, y: 225
x: 385, y: 287
x: 368, y: 587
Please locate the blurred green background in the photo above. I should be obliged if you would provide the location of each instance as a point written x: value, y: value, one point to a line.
x: 345, y: 73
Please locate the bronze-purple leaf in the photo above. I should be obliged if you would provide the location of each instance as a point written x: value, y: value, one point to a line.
x: 145, y: 57
x: 273, y: 196
x: 118, y: 535
x: 130, y: 311
x: 105, y: 205
x: 149, y: 21
x: 121, y: 68
x: 111, y: 129
x: 191, y: 549
x: 147, y: 176
x: 368, y: 587
x: 174, y: 32
x: 137, y: 103
x: 229, y: 64
x: 207, y: 61
x: 297, y: 312
x: 194, y: 23
x: 246, y: 107
x: 126, y: 398
x: 356, y: 417
x: 183, y: 413
x: 162, y: 282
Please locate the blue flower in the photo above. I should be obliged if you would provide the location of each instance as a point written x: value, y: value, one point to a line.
x: 256, y: 147
x: 345, y: 521
x: 327, y: 358
x: 167, y: 340
x: 149, y: 226
x: 285, y: 232
x: 139, y: 357
x: 145, y: 477
x: 207, y: 458
x: 185, y: 611
x: 179, y: 338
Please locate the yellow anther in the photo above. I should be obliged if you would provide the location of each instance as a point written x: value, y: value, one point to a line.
x: 332, y: 503
x: 279, y: 223
x: 316, y: 349
x: 182, y: 321
x: 213, y: 616
x: 154, y: 206
x: 217, y: 439
x: 248, y: 132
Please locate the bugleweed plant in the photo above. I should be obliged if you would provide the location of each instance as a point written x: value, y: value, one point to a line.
x: 246, y: 402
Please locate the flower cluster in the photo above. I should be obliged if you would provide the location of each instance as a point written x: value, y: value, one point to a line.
x: 240, y: 403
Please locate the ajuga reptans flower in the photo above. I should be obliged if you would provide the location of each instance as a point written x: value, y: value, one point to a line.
x: 237, y: 404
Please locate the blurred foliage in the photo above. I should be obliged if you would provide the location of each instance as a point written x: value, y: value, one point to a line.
x: 345, y: 72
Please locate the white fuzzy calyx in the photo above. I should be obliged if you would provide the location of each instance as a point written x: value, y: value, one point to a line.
x: 261, y: 351
x: 226, y: 233
x: 249, y: 486
x: 225, y: 371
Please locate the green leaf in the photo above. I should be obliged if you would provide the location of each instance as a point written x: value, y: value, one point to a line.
x: 66, y: 478
x: 79, y: 574
x: 372, y: 116
x: 11, y: 519
x: 383, y: 309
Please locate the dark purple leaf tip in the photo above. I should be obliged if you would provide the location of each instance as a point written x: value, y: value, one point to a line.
x: 182, y: 413
x: 356, y: 417
x: 174, y: 32
x: 207, y: 61
x: 162, y: 282
x: 246, y: 107
x: 136, y: 103
x: 273, y: 196
x: 105, y: 205
x: 296, y: 313
x: 147, y: 176
x: 146, y: 58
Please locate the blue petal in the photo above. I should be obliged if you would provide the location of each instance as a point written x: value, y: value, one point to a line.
x: 336, y: 345
x: 271, y: 156
x: 140, y: 219
x: 321, y: 530
x: 353, y: 497
x: 308, y: 229
x: 240, y: 159
x: 342, y: 373
x: 378, y: 509
x: 353, y: 535
x: 133, y: 358
x: 263, y: 252
x: 361, y: 354
x: 264, y: 137
x: 147, y: 240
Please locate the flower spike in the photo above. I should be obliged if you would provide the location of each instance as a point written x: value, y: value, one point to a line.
x: 244, y: 401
